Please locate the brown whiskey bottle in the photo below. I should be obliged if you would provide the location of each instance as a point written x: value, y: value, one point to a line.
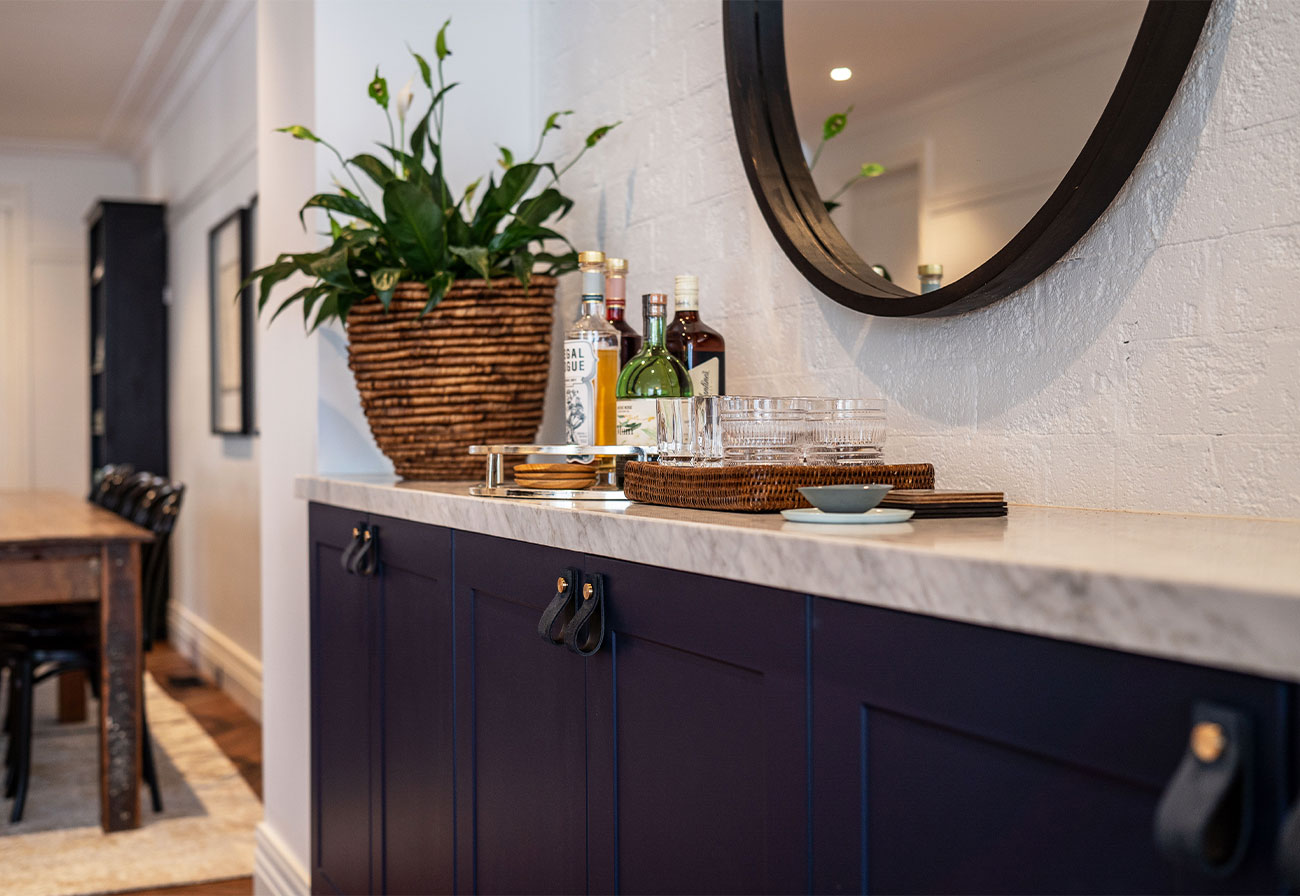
x: 699, y: 347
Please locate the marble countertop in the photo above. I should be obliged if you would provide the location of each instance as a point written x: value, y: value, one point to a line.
x: 1219, y: 591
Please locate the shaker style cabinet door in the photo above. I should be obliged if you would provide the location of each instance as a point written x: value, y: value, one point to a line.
x: 342, y: 712
x: 521, y: 725
x: 382, y: 708
x: 696, y: 723
x: 956, y: 759
x: 416, y: 683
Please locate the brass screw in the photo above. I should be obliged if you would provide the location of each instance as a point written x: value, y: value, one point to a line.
x: 561, y: 583
x: 1208, y: 741
x: 355, y: 531
x: 365, y: 536
x: 586, y: 591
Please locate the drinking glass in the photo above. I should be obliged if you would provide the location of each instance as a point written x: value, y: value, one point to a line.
x: 675, y: 430
x: 708, y: 431
x: 846, y: 431
x: 757, y: 430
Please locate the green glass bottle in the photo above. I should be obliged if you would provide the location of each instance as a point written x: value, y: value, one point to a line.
x: 651, y: 373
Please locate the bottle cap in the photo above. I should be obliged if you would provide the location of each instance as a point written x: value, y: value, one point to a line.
x: 686, y: 291
x: 591, y: 257
x: 930, y: 270
x: 616, y: 265
x: 655, y: 300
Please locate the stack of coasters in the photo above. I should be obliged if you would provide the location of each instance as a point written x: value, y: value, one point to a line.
x: 928, y: 502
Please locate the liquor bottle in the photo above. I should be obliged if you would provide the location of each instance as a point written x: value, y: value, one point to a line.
x: 931, y: 277
x: 616, y: 307
x: 699, y: 347
x: 590, y: 362
x: 652, y: 373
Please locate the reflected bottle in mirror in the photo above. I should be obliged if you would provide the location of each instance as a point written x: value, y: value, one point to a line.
x: 698, y: 346
x: 616, y: 309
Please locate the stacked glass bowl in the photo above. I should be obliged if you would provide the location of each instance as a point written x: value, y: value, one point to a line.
x: 750, y: 429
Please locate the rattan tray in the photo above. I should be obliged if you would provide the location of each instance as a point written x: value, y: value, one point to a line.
x: 756, y: 489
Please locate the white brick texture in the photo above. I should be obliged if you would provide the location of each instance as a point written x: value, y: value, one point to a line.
x: 1157, y: 367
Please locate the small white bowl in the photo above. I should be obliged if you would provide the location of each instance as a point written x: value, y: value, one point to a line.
x: 844, y: 498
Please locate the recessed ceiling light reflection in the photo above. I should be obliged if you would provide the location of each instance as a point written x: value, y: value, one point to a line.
x: 841, y: 73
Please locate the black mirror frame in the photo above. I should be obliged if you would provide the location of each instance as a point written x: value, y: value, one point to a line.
x: 754, y: 40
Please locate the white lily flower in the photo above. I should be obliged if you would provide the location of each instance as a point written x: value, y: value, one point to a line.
x: 405, y: 97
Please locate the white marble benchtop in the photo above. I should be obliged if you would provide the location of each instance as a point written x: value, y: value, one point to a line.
x: 1218, y: 591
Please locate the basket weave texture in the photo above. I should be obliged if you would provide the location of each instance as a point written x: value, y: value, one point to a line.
x: 470, y: 372
x: 755, y: 488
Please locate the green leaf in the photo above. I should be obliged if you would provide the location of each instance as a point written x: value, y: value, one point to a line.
x: 379, y: 90
x: 335, y: 269
x: 417, y: 227
x: 514, y: 184
x: 385, y: 281
x: 418, y: 137
x: 830, y: 206
x: 347, y: 205
x: 507, y: 157
x: 872, y: 169
x: 298, y: 132
x: 476, y: 257
x: 297, y: 296
x: 438, y: 285
x: 328, y: 309
x: 537, y: 209
x: 440, y: 45
x: 414, y: 170
x: 559, y: 264
x: 522, y: 264
x: 270, y: 275
x: 835, y: 123
x: 380, y: 173
x: 518, y: 234
x: 335, y: 230
x: 553, y: 121
x: 468, y: 197
x: 425, y: 74
x: 597, y: 135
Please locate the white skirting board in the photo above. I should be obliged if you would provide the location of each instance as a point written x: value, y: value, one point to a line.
x: 275, y: 870
x: 234, y: 669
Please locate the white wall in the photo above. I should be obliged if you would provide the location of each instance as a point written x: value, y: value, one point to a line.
x: 1154, y: 368
x: 314, y: 61
x: 201, y: 159
x: 45, y: 193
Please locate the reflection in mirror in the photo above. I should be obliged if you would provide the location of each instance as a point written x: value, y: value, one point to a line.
x: 975, y: 109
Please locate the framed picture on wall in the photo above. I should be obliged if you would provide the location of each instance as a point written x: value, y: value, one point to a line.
x: 230, y: 256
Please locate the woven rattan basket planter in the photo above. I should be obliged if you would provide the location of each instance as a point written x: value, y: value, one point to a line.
x: 756, y: 489
x: 470, y: 372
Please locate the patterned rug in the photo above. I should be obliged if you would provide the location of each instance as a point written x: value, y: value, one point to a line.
x: 204, y: 834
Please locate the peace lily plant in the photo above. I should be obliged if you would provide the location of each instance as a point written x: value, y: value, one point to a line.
x: 415, y: 230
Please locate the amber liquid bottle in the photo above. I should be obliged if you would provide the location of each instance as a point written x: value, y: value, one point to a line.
x: 699, y: 347
x: 616, y: 309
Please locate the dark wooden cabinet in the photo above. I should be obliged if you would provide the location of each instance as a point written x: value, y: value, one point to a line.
x: 382, y: 677
x: 696, y: 724
x: 128, y: 336
x: 733, y: 738
x: 950, y: 758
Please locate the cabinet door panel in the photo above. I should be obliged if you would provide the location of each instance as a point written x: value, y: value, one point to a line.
x: 418, y: 695
x: 950, y: 757
x: 697, y: 719
x: 342, y: 722
x: 521, y: 740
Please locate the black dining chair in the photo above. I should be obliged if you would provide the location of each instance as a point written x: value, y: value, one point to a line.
x: 42, y: 644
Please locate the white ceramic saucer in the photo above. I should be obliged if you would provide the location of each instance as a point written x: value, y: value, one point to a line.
x: 875, y: 515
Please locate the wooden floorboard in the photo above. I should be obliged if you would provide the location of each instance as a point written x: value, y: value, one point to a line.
x: 236, y: 732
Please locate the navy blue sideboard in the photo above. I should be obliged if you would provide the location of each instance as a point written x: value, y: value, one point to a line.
x: 732, y: 738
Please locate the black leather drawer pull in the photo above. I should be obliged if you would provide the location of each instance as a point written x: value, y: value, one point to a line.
x: 585, y: 632
x: 367, y: 560
x: 349, y: 558
x: 1203, y: 819
x: 561, y: 607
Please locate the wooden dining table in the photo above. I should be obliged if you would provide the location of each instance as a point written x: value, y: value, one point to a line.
x: 59, y: 548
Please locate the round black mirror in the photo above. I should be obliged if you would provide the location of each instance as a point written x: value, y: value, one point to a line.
x: 806, y: 213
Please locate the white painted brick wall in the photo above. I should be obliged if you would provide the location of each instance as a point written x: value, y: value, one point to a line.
x: 1156, y: 367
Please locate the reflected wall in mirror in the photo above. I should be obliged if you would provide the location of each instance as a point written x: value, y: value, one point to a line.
x: 1004, y: 129
x: 975, y: 109
x: 230, y: 246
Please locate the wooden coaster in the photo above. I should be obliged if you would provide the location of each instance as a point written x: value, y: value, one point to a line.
x: 564, y: 469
